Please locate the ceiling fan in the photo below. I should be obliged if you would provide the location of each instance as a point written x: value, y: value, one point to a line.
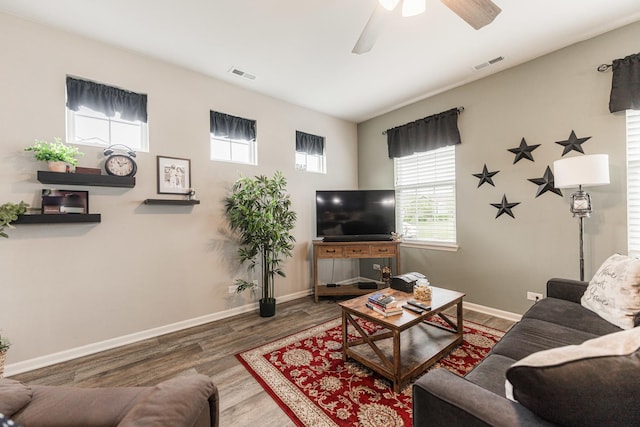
x: 476, y: 13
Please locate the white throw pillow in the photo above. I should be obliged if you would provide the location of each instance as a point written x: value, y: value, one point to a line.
x: 614, y: 291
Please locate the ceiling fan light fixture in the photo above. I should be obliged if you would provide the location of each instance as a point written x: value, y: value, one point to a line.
x: 413, y: 7
x: 389, y: 4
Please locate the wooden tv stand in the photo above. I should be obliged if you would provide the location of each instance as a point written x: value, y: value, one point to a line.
x: 323, y: 250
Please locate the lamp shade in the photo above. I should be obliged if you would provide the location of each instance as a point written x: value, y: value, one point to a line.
x: 589, y: 171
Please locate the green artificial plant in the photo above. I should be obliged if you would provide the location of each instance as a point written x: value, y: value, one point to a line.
x: 55, y: 151
x: 4, y: 344
x: 259, y: 211
x: 8, y: 213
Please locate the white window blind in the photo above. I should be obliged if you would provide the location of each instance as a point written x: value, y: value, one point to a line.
x: 633, y: 182
x: 426, y: 196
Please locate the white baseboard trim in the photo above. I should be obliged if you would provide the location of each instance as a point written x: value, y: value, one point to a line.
x: 492, y: 311
x: 86, y: 350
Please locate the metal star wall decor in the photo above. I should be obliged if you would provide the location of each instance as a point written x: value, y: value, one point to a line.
x: 573, y: 143
x: 505, y: 207
x: 546, y: 183
x: 485, y: 176
x: 523, y: 151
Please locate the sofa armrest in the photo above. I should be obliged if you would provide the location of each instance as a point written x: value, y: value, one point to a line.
x: 441, y: 398
x: 566, y: 289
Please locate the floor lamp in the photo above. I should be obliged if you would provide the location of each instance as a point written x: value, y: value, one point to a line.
x: 589, y: 171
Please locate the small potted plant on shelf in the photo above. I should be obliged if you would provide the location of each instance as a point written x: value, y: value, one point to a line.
x: 8, y: 213
x: 4, y: 347
x: 57, y: 154
x: 259, y: 211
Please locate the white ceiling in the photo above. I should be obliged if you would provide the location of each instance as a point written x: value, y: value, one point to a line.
x: 300, y: 50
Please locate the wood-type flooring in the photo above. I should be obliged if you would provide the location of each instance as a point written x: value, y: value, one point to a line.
x: 208, y: 349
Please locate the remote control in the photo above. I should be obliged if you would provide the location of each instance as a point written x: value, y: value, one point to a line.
x: 414, y: 309
x: 419, y: 305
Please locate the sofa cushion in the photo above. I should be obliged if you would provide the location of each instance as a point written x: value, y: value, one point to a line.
x: 178, y: 401
x: 55, y: 406
x: 489, y: 374
x: 571, y: 315
x: 596, y: 383
x: 532, y: 335
x: 13, y: 396
x: 614, y: 291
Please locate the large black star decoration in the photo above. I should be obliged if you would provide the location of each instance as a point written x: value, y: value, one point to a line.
x: 485, y: 176
x: 546, y: 183
x: 505, y: 206
x: 523, y: 151
x: 573, y: 143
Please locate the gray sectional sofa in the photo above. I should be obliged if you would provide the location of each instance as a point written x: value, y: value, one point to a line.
x: 186, y: 401
x: 605, y: 391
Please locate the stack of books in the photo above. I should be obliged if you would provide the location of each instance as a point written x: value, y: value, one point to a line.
x: 384, y: 304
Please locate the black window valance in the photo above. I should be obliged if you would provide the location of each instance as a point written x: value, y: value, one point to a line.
x: 232, y: 127
x: 625, y: 85
x: 106, y: 99
x: 429, y: 133
x: 308, y: 143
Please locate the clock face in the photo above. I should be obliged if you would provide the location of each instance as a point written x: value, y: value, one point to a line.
x: 120, y: 165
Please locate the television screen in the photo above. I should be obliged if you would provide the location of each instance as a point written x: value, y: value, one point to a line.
x: 356, y: 214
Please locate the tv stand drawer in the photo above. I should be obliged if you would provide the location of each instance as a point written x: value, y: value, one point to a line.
x: 329, y: 251
x: 357, y: 251
x: 383, y: 250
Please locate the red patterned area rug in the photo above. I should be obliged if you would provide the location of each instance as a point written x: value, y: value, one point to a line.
x: 305, y: 375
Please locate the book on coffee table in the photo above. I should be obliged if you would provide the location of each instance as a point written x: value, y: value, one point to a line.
x: 386, y: 312
x: 383, y: 300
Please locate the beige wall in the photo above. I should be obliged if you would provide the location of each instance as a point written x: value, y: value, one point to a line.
x: 143, y: 267
x: 499, y: 260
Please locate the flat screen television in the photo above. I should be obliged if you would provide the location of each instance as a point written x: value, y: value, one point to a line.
x: 355, y: 215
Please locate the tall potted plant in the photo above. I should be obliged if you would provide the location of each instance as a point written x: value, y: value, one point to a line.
x: 259, y: 211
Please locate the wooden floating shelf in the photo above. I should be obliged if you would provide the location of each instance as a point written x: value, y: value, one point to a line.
x: 47, y: 177
x: 57, y: 218
x: 171, y: 202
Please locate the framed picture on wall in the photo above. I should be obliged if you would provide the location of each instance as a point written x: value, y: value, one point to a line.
x: 174, y: 175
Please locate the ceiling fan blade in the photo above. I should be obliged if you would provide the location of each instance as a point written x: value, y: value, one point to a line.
x: 476, y: 13
x: 376, y: 23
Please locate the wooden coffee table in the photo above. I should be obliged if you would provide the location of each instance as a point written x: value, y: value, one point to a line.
x: 406, y: 345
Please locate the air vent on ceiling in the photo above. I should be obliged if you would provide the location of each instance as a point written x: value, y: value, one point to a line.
x: 238, y: 72
x: 489, y: 62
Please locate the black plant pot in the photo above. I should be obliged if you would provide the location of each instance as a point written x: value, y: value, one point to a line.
x: 267, y: 307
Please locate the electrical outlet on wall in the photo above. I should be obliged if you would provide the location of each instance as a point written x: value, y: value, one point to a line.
x: 376, y: 267
x: 534, y: 296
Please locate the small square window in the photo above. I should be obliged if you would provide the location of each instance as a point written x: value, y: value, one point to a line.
x: 90, y: 127
x: 310, y: 152
x: 310, y: 162
x: 234, y: 151
x: 94, y: 115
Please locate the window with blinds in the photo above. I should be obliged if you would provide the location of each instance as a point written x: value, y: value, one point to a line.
x: 633, y: 182
x: 426, y: 196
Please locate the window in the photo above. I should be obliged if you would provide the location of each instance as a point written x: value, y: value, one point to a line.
x: 233, y: 139
x: 310, y: 152
x: 103, y: 115
x: 426, y: 196
x: 633, y: 182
